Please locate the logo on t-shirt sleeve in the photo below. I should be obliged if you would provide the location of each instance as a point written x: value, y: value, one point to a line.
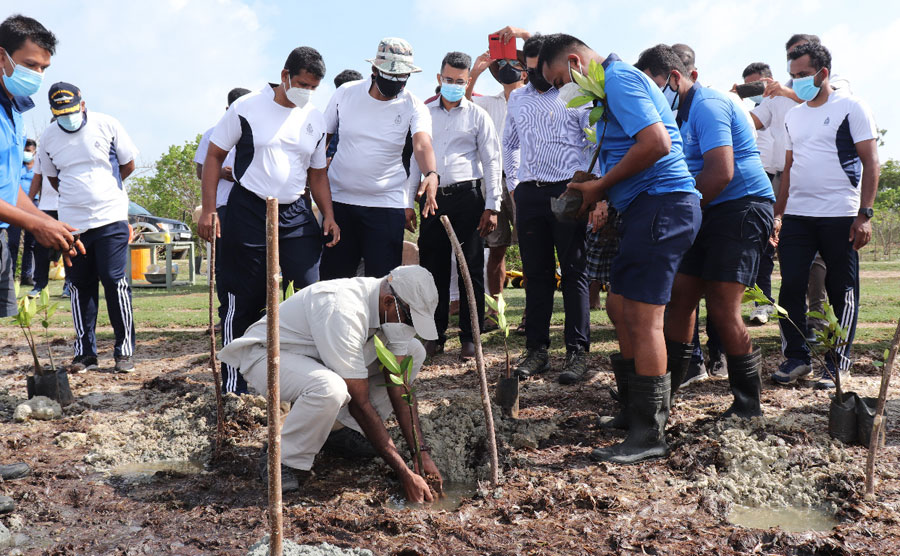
x: 309, y: 129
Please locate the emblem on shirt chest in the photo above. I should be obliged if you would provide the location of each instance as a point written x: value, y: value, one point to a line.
x: 827, y: 120
x: 398, y: 120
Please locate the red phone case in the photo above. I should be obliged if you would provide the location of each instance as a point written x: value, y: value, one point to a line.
x: 500, y: 51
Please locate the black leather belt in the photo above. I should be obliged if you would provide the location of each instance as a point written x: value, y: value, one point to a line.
x: 537, y: 183
x: 459, y: 187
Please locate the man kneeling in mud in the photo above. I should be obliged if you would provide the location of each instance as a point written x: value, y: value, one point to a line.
x: 331, y: 375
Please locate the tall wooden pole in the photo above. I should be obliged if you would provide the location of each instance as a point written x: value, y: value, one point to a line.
x: 213, y: 365
x: 878, y: 425
x: 479, y: 355
x: 273, y: 354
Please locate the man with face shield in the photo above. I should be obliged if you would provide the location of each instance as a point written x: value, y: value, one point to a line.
x: 279, y: 145
x: 331, y: 375
x: 76, y: 157
x: 371, y: 184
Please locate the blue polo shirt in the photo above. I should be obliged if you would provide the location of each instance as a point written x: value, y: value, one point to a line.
x: 12, y: 146
x: 634, y: 103
x: 709, y: 120
x: 25, y: 180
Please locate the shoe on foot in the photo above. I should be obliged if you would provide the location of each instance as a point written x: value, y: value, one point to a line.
x: 696, y: 372
x: 349, y: 444
x: 760, y: 315
x: 827, y: 376
x: 489, y: 326
x: 575, y: 367
x: 623, y: 369
x: 467, y: 351
x: 433, y: 347
x: 7, y: 505
x: 535, y: 362
x: 83, y: 363
x: 11, y: 471
x: 291, y: 478
x: 649, y: 399
x: 520, y: 330
x: 36, y: 292
x: 678, y: 359
x: 790, y: 370
x: 65, y: 292
x: 718, y: 364
x: 124, y: 364
x: 26, y: 281
x: 746, y: 384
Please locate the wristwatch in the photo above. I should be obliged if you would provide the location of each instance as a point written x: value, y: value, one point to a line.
x: 428, y: 173
x: 867, y: 212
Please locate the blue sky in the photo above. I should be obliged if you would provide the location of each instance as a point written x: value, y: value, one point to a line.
x: 163, y: 67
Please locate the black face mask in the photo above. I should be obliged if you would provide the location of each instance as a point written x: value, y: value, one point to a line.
x: 387, y: 87
x: 509, y: 74
x: 538, y: 81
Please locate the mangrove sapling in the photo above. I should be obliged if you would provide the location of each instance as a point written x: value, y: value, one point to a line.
x: 507, y: 387
x: 28, y: 310
x: 830, y: 338
x: 878, y: 426
x: 399, y: 375
x: 499, y: 317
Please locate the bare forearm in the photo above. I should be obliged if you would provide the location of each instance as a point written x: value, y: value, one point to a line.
x: 36, y: 183
x: 209, y: 183
x: 373, y: 427
x: 16, y: 216
x: 424, y: 154
x: 321, y: 192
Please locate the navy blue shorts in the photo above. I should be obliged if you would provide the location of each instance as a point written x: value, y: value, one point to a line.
x: 731, y: 241
x: 654, y: 233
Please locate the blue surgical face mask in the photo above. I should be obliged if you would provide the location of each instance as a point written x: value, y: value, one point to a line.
x: 671, y: 95
x: 756, y: 99
x: 452, y: 92
x: 23, y: 82
x: 28, y: 156
x: 71, y: 122
x: 806, y: 88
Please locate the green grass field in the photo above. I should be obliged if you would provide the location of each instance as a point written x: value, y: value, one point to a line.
x: 165, y: 312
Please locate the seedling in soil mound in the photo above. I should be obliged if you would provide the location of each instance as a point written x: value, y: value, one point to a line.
x: 508, y: 387
x: 832, y: 337
x: 398, y: 373
x: 55, y: 385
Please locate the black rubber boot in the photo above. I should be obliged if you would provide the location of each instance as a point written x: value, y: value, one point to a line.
x: 648, y: 411
x: 746, y: 384
x: 623, y: 369
x: 678, y: 359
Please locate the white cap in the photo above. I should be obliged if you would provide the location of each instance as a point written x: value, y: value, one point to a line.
x: 415, y: 286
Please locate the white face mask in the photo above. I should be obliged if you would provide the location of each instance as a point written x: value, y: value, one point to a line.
x: 397, y: 334
x: 571, y: 89
x: 671, y: 96
x: 298, y: 97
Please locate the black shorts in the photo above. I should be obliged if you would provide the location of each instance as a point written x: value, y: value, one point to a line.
x: 731, y: 239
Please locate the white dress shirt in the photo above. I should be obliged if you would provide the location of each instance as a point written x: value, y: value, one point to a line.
x: 466, y: 147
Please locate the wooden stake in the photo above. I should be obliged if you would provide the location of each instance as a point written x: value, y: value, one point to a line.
x: 273, y: 354
x: 479, y: 355
x: 213, y: 365
x: 878, y: 425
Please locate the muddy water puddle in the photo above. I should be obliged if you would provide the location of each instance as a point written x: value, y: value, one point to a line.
x: 455, y: 493
x: 143, y: 471
x: 791, y: 519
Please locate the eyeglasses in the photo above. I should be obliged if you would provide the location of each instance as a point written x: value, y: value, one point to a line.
x: 451, y: 81
x: 405, y: 312
x: 514, y: 63
x: 394, y: 77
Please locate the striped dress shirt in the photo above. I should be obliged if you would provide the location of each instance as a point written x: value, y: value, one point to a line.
x: 543, y: 140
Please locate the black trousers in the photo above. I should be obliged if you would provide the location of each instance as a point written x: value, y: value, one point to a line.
x: 242, y: 272
x: 372, y: 234
x: 464, y: 209
x: 539, y: 234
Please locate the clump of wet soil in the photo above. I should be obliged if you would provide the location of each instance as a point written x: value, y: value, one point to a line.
x: 290, y: 548
x: 762, y: 462
x: 456, y: 433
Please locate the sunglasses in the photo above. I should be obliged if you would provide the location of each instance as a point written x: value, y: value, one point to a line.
x: 514, y: 63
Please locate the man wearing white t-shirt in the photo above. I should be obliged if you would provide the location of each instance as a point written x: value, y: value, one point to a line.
x: 370, y: 181
x: 279, y: 144
x: 827, y: 193
x: 75, y: 156
x: 226, y: 178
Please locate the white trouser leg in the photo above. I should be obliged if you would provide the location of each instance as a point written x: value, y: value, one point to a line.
x: 316, y: 394
x: 378, y: 395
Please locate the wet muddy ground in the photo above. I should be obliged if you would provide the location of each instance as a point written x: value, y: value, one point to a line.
x: 128, y: 470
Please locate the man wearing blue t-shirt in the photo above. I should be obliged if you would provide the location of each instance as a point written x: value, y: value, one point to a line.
x: 722, y: 155
x: 646, y: 179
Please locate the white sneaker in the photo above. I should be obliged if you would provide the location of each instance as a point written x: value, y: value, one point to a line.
x: 760, y: 314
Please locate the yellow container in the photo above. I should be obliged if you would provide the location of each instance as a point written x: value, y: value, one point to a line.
x: 140, y: 260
